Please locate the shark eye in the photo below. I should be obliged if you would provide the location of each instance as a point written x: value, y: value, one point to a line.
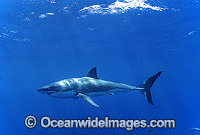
x: 47, y: 88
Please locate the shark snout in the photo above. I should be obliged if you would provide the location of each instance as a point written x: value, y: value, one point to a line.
x: 46, y: 91
x: 41, y: 90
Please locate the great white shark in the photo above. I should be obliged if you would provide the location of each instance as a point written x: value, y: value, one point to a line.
x: 90, y: 86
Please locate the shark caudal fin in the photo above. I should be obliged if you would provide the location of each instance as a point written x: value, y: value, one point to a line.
x: 147, y: 84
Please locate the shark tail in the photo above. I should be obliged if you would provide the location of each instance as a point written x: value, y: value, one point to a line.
x: 147, y: 84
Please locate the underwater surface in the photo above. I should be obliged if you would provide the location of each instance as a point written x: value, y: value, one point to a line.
x: 43, y: 41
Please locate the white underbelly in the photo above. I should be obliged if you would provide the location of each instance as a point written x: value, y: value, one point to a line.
x: 93, y: 94
x: 118, y: 91
x: 71, y: 94
x: 67, y: 94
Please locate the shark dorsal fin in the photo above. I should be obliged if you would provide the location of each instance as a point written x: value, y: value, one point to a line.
x: 93, y: 73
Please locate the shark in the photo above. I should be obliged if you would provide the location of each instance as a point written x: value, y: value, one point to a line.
x: 91, y: 85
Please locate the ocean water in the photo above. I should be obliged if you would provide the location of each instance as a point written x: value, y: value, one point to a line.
x: 43, y: 41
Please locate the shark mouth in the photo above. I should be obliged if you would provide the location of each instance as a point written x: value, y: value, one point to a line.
x: 45, y: 91
x: 49, y: 93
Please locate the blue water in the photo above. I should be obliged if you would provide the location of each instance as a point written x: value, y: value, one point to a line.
x: 45, y: 41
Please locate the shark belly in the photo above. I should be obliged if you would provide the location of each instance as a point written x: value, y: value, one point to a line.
x: 94, y: 94
x: 64, y: 94
x: 118, y: 90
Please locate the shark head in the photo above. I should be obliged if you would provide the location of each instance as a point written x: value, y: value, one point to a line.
x: 50, y: 89
x: 46, y: 90
x: 60, y: 89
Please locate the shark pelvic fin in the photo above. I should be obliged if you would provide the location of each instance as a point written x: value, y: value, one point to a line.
x: 87, y: 99
x: 93, y: 73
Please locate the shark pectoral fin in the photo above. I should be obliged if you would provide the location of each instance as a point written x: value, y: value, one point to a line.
x: 87, y: 99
